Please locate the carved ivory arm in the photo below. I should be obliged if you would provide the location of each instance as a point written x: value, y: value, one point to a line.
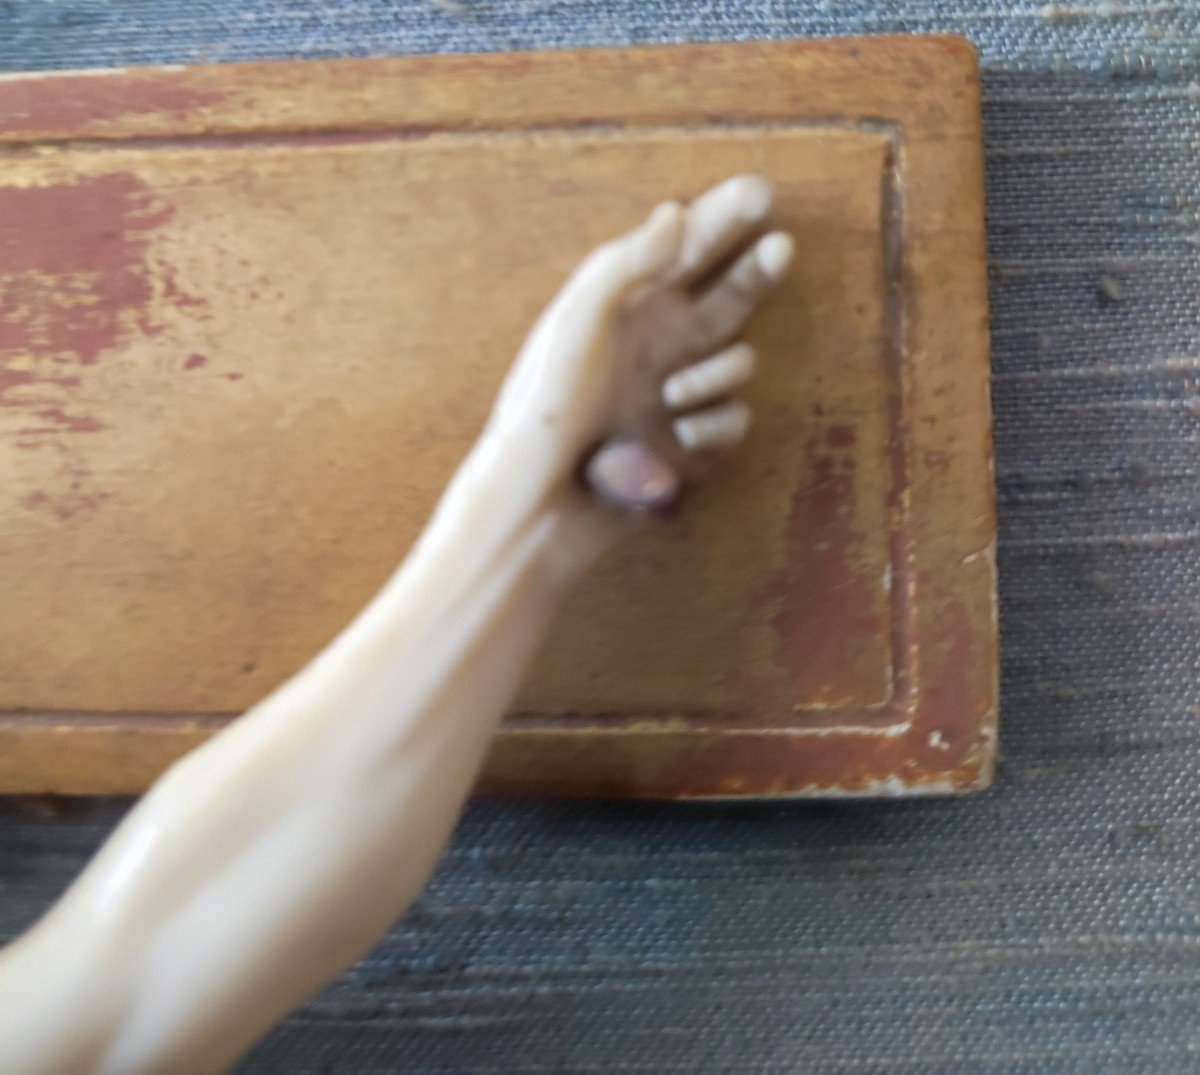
x: 267, y: 860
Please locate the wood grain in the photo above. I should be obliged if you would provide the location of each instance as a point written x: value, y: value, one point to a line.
x: 252, y: 315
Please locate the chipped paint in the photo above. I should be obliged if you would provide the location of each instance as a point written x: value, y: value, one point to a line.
x: 72, y: 274
x: 73, y: 284
x: 828, y: 594
x: 89, y: 100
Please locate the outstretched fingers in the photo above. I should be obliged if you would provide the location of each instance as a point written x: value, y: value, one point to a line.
x: 721, y: 311
x: 686, y: 250
x: 717, y: 427
x: 718, y: 223
x: 710, y: 378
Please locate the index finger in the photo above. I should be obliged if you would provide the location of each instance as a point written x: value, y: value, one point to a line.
x: 719, y: 222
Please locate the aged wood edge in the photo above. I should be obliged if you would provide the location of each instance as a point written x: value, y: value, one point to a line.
x: 970, y: 572
x: 122, y: 753
x: 256, y: 96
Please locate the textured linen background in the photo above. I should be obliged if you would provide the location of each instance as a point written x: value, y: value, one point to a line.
x: 1052, y: 925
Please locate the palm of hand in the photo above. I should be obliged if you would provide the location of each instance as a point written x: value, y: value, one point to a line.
x: 633, y: 355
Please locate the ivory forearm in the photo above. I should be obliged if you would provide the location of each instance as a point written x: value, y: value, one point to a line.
x: 373, y: 750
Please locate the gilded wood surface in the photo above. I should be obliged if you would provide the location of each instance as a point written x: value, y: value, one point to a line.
x: 250, y: 317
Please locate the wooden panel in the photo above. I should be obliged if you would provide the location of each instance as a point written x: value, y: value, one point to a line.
x: 251, y: 316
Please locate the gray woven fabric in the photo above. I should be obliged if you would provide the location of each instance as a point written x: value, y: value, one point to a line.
x: 1052, y: 925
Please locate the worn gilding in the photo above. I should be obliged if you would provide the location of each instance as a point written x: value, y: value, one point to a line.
x: 237, y: 363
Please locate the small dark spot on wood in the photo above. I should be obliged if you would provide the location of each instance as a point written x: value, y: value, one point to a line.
x: 841, y: 436
x: 195, y: 362
x: 248, y: 667
x: 233, y: 376
x: 937, y: 461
